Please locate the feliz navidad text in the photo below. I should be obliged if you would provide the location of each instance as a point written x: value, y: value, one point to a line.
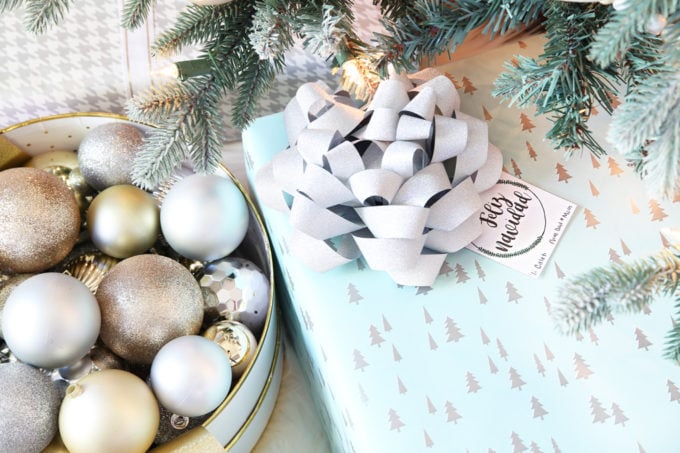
x: 509, y: 212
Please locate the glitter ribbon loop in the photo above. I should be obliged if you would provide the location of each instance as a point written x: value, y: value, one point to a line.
x: 396, y: 183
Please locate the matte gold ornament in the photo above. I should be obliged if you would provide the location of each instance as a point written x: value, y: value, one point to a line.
x: 11, y: 155
x: 90, y: 268
x: 28, y: 408
x: 123, y: 220
x: 39, y: 220
x: 61, y: 158
x: 237, y: 341
x: 146, y: 301
x: 110, y: 411
x: 107, y: 152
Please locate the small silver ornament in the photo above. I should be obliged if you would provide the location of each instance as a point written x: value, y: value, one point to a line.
x: 173, y: 425
x: 29, y: 408
x: 190, y: 376
x: 241, y: 288
x: 106, y: 154
x: 50, y: 320
x: 237, y: 341
x: 99, y: 358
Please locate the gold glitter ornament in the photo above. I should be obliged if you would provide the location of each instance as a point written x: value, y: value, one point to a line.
x: 89, y: 268
x: 62, y: 158
x: 237, y: 341
x: 39, y: 220
x: 123, y: 221
x: 28, y: 408
x: 106, y: 154
x: 110, y: 411
x: 7, y: 284
x: 146, y: 301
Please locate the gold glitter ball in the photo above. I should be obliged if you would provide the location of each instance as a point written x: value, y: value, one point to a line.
x: 146, y: 301
x: 39, y: 220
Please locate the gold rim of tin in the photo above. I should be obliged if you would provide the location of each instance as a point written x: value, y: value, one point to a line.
x: 262, y: 397
x: 268, y: 251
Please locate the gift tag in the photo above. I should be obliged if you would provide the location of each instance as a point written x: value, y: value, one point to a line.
x: 521, y: 225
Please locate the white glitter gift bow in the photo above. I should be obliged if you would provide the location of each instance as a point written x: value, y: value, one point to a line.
x: 397, y: 183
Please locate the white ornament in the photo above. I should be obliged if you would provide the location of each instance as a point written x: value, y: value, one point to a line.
x: 204, y: 217
x: 50, y: 320
x: 190, y: 375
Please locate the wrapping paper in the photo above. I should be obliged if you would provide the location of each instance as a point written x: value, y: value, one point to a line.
x: 474, y: 363
x: 396, y: 183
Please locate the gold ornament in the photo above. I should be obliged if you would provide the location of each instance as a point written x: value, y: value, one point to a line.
x: 7, y: 284
x: 123, y: 220
x: 39, y: 220
x: 110, y: 411
x: 11, y: 155
x: 90, y: 268
x: 237, y: 341
x: 61, y: 158
x: 146, y: 301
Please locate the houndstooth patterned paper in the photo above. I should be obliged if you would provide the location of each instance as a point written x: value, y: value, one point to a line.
x: 90, y: 63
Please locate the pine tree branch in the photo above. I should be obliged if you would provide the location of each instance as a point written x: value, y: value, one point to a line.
x: 661, y: 165
x: 41, y: 14
x: 200, y: 24
x: 255, y: 80
x: 135, y: 13
x: 562, y: 82
x: 270, y: 35
x: 9, y: 5
x: 158, y: 102
x: 588, y: 298
x: 672, y: 347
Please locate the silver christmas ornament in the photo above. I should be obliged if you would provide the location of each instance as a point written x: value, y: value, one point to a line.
x: 242, y: 290
x: 190, y: 376
x: 50, y: 320
x: 237, y: 341
x: 106, y: 154
x: 204, y: 217
x: 28, y: 408
x: 173, y: 425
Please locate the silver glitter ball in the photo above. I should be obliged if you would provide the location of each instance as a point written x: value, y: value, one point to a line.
x: 106, y: 154
x: 29, y: 408
x: 242, y: 291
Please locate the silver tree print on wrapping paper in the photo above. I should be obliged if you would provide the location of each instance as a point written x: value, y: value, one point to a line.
x: 453, y: 333
x: 480, y: 272
x: 517, y: 444
x: 485, y: 338
x: 394, y: 420
x: 400, y: 385
x: 359, y: 362
x: 395, y: 354
x: 673, y: 391
x: 513, y: 294
x: 461, y: 274
x: 452, y: 414
x: 501, y: 350
x: 599, y: 413
x: 642, y: 340
x: 471, y: 383
x: 619, y: 417
x: 353, y: 293
x: 562, y: 379
x: 516, y: 381
x: 433, y: 344
x: 482, y: 298
x: 430, y: 405
x: 493, y: 369
x: 537, y: 407
x: 386, y: 325
x: 582, y: 369
x: 539, y: 366
x: 374, y: 334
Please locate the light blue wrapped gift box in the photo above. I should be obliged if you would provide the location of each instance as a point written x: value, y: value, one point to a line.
x: 474, y: 363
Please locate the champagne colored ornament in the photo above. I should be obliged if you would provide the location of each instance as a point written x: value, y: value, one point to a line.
x: 204, y: 217
x: 123, y: 221
x: 110, y: 411
x: 28, y: 408
x: 106, y: 154
x: 190, y: 375
x: 146, y: 301
x: 7, y: 285
x: 50, y: 320
x: 62, y: 158
x: 39, y: 220
x: 237, y: 341
x: 242, y: 290
x: 89, y: 268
